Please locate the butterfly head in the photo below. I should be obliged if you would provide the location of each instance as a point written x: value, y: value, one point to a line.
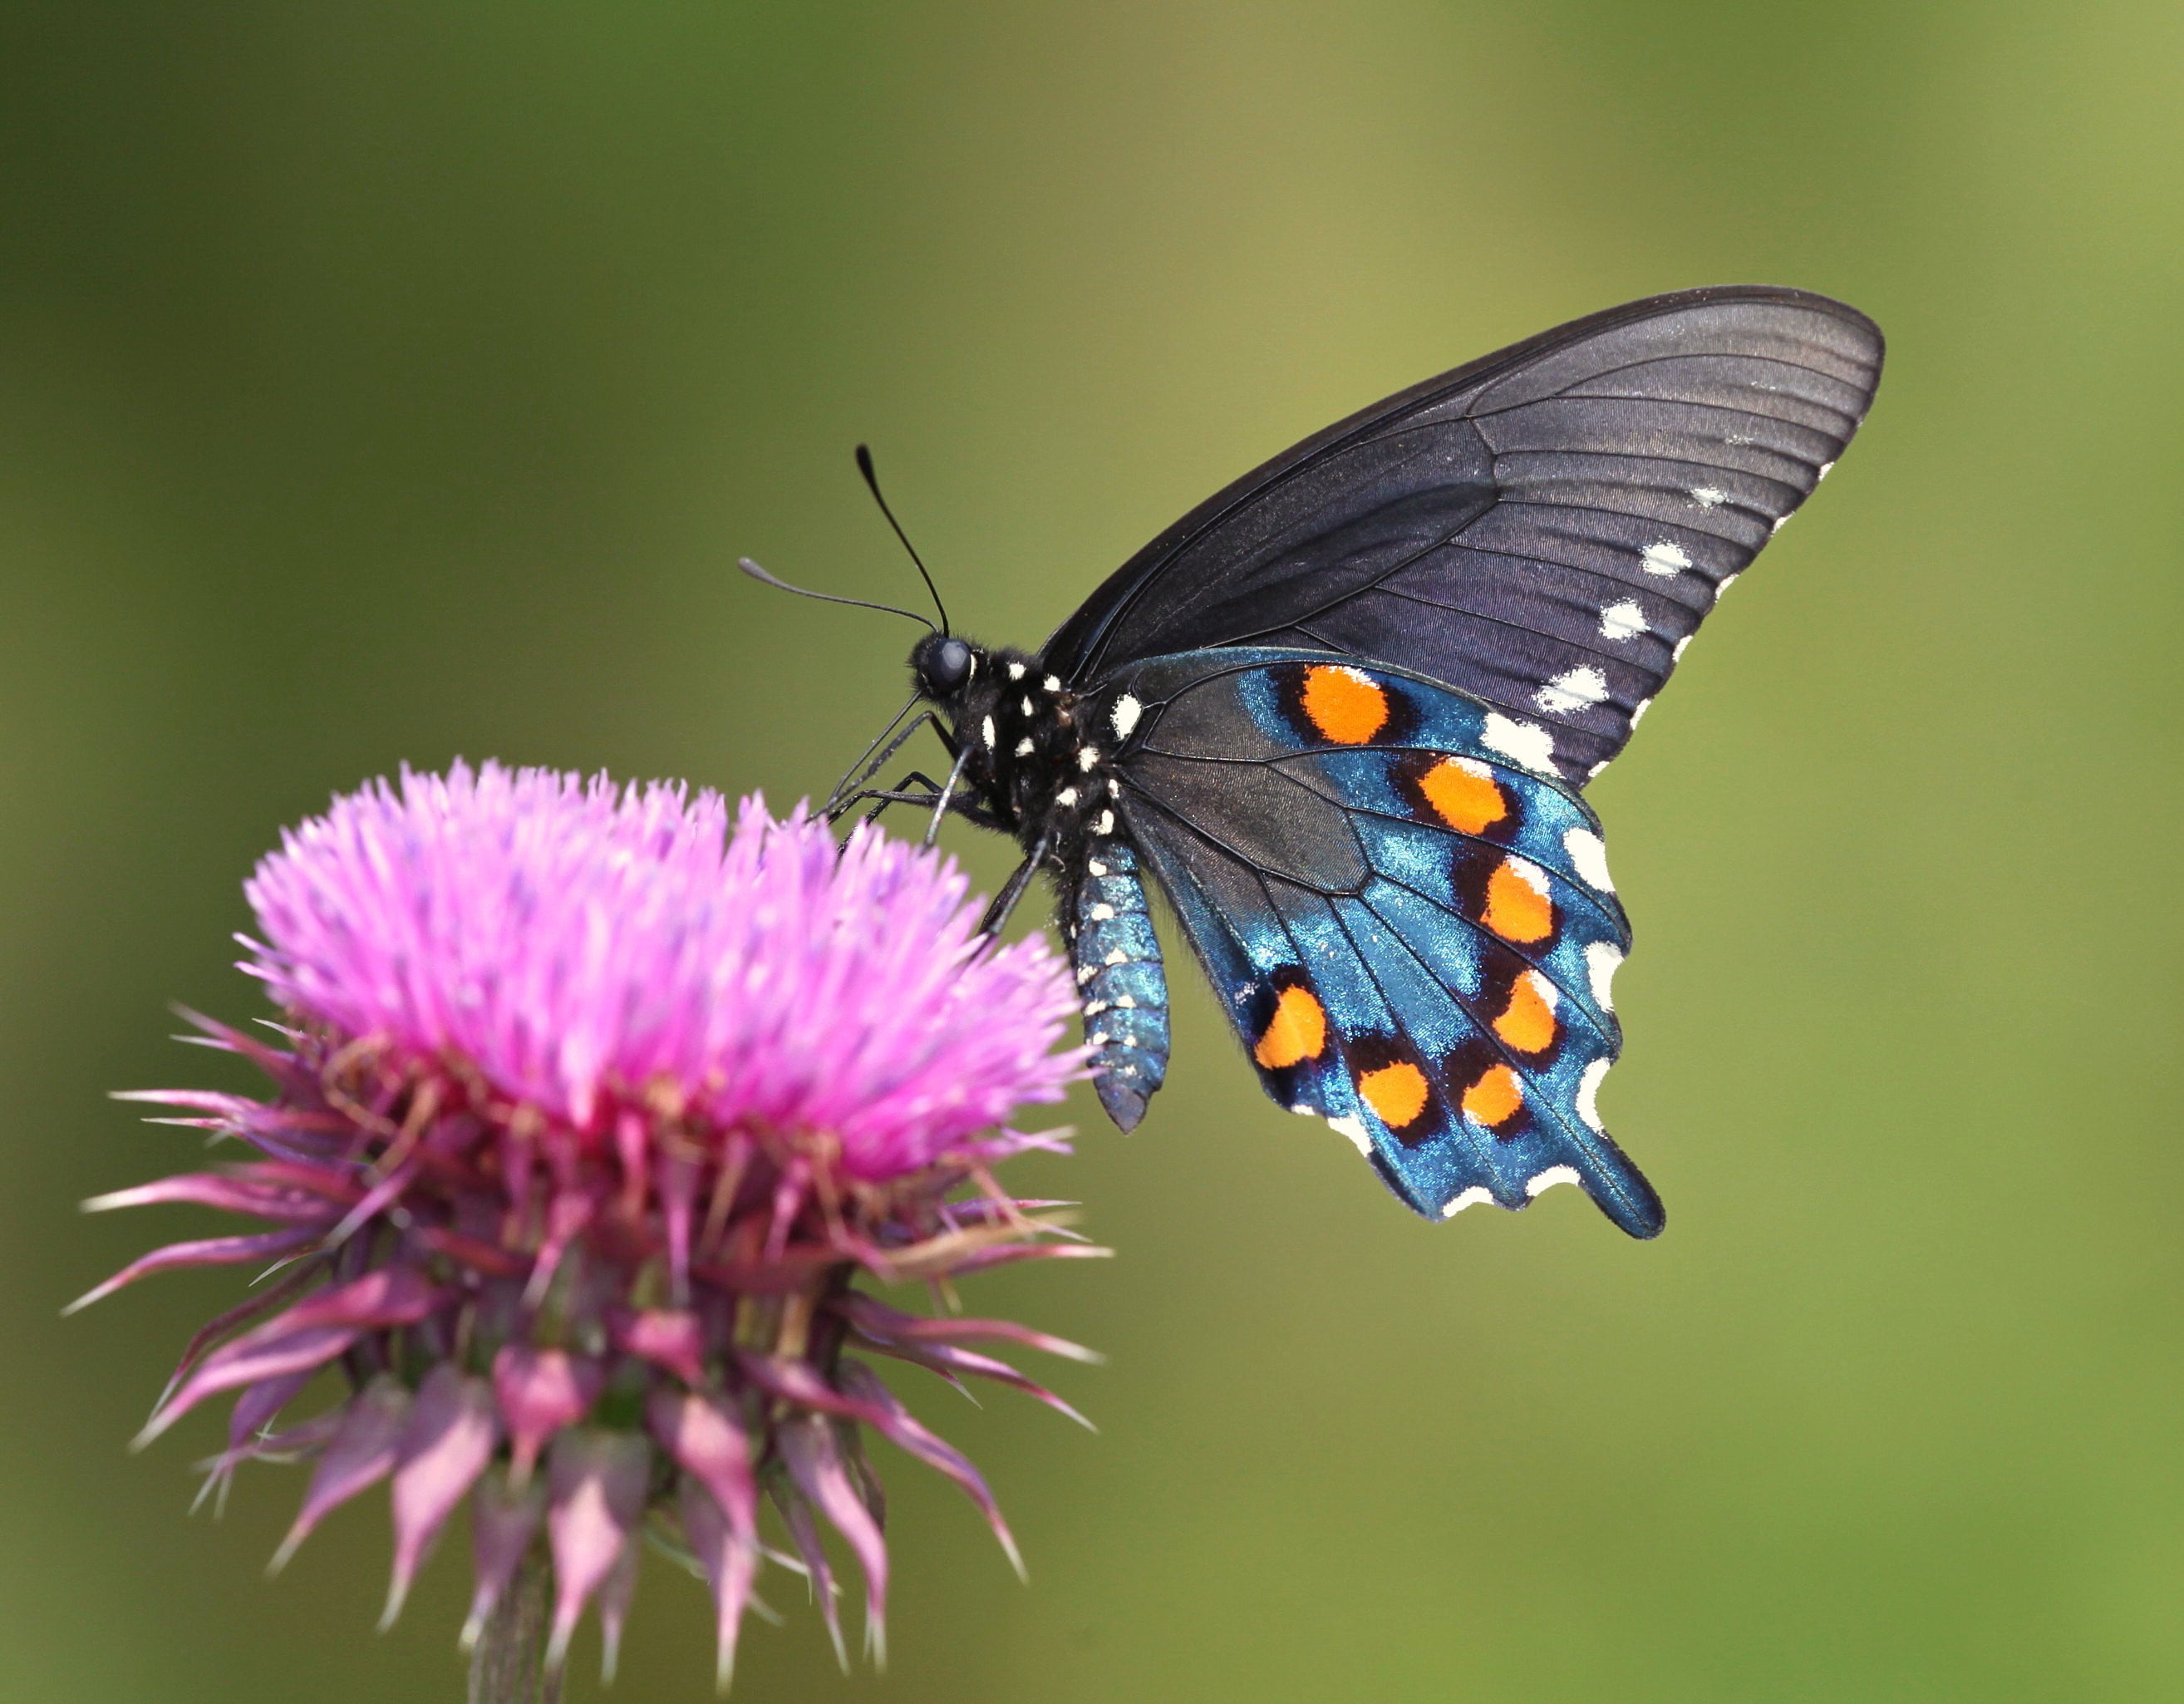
x: 944, y: 667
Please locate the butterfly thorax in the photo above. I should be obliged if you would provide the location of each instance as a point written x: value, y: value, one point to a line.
x: 1028, y: 748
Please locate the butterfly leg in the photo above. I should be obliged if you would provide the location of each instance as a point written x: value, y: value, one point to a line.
x: 947, y: 792
x: 848, y: 791
x: 1005, y: 901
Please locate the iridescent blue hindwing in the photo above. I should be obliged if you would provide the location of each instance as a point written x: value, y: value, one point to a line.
x: 1411, y: 925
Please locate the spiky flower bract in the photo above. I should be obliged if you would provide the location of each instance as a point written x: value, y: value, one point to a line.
x: 587, y: 1116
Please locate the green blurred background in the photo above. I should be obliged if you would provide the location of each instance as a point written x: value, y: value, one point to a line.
x: 382, y: 382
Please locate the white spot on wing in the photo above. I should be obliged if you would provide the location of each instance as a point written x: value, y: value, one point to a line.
x: 1638, y: 711
x: 1588, y: 856
x: 1683, y: 645
x: 1594, y: 772
x: 1709, y: 496
x: 1602, y: 959
x: 1356, y: 1132
x: 1529, y: 874
x: 1522, y: 742
x: 1540, y: 1181
x: 1778, y: 526
x: 1623, y: 620
x: 1826, y: 467
x: 1473, y: 1197
x: 1574, y: 689
x: 1666, y: 559
x: 1124, y: 715
x: 1727, y: 581
x: 1588, y: 1093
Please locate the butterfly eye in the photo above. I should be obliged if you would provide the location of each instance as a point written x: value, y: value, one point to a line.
x: 943, y: 665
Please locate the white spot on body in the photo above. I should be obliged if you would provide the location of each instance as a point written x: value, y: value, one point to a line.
x: 1574, y: 689
x: 1088, y: 759
x: 1114, y: 958
x: 1052, y: 683
x: 1709, y: 496
x: 1476, y: 1196
x: 986, y: 729
x: 1588, y: 1093
x: 1354, y: 1130
x: 1093, y: 867
x: 1024, y: 747
x: 1027, y: 709
x: 1623, y: 620
x: 1065, y: 797
x: 1666, y: 559
x: 1016, y: 671
x: 1602, y: 959
x: 1526, y: 743
x: 1106, y: 825
x: 1588, y: 856
x: 1124, y: 715
x: 1540, y: 1183
x: 1100, y: 914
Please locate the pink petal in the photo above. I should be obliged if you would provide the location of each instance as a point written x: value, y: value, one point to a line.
x: 449, y: 1442
x: 909, y: 1435
x: 815, y: 1462
x: 598, y: 1483
x: 729, y: 1556
x: 503, y: 1520
x: 674, y: 1340
x: 541, y: 1390
x: 704, y: 1439
x: 361, y: 1454
x: 210, y: 1251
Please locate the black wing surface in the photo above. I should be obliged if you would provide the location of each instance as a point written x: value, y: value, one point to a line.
x: 1543, y: 530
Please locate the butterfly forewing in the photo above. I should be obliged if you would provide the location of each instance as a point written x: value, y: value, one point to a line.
x: 1544, y: 529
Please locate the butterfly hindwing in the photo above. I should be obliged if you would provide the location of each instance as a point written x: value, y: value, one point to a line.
x: 1544, y: 529
x: 1411, y: 930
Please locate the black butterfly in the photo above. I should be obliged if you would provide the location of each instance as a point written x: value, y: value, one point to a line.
x: 1343, y: 712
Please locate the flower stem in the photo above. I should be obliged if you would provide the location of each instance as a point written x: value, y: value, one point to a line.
x: 510, y: 1662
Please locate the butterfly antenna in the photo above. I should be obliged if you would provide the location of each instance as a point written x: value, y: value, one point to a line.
x: 765, y: 578
x: 873, y: 480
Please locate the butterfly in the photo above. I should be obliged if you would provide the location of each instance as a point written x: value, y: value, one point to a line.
x: 1342, y: 715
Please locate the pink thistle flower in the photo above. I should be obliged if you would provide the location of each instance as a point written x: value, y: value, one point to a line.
x: 587, y: 1115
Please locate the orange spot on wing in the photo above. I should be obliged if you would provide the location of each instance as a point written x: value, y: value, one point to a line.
x: 1527, y: 1023
x: 1296, y: 1031
x: 1397, y: 1093
x: 1495, y: 1099
x: 1464, y: 795
x: 1346, y: 706
x: 1518, y: 908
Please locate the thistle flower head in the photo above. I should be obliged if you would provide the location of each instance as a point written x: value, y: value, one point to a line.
x: 587, y: 1115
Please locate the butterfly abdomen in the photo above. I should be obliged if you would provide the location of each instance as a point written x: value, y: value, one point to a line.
x: 1118, y: 970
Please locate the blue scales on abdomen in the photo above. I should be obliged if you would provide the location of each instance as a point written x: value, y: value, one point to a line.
x: 1120, y: 982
